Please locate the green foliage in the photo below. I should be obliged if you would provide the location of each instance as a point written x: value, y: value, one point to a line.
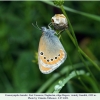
x: 58, y: 2
x: 19, y: 40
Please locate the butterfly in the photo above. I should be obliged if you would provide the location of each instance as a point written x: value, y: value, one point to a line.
x: 51, y: 53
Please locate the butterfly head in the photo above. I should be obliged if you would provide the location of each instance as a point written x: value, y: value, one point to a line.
x: 48, y: 32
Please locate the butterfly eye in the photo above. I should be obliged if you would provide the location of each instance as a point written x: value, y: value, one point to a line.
x: 55, y: 57
x: 44, y: 57
x: 41, y: 53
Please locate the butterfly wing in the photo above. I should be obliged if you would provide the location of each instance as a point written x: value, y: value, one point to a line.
x: 51, y: 54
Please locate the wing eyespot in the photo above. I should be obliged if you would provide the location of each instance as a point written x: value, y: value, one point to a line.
x: 41, y: 53
x: 51, y: 59
x: 59, y: 55
x: 55, y: 57
x: 44, y: 57
x: 47, y: 60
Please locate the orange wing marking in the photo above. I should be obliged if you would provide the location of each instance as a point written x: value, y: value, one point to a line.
x: 42, y: 68
x: 55, y: 61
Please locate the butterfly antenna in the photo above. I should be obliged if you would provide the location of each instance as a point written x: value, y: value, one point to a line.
x: 36, y: 26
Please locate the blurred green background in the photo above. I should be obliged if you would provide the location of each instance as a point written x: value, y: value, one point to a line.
x: 19, y: 41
